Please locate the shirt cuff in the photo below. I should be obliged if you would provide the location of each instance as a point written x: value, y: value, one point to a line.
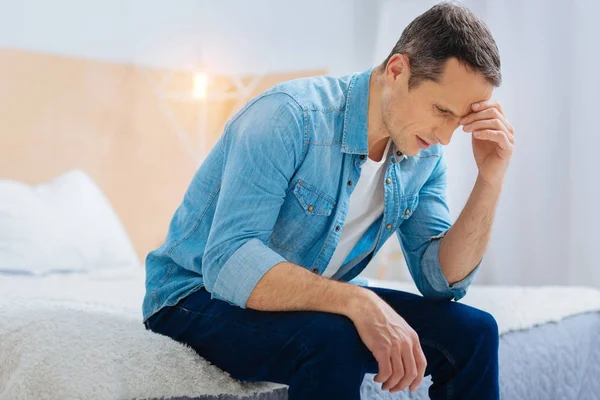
x: 435, y: 276
x: 242, y: 271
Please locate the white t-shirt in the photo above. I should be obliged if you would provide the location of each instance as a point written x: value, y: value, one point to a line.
x: 366, y: 205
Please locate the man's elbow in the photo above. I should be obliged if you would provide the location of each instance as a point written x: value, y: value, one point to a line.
x: 447, y: 293
x: 431, y: 294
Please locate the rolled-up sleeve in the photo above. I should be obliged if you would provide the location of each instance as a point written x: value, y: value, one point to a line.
x: 421, y: 235
x: 262, y: 149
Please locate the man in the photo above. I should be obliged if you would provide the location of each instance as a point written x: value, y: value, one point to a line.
x: 305, y: 185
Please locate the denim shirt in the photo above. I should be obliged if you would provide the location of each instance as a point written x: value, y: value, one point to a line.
x: 276, y: 187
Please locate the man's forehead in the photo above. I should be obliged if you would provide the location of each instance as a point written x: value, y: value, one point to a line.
x: 459, y: 103
x: 460, y: 87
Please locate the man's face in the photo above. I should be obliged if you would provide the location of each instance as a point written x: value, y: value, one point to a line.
x: 430, y: 111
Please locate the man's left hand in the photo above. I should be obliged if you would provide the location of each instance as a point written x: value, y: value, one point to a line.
x: 493, y: 140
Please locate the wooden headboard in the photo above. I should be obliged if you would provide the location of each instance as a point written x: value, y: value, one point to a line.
x: 132, y: 129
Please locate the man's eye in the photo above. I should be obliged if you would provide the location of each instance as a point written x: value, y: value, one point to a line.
x: 441, y: 110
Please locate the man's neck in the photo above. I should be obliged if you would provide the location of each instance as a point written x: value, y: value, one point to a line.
x: 377, y: 133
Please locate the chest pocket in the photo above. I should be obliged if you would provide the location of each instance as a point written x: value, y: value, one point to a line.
x: 408, y: 205
x: 303, y: 219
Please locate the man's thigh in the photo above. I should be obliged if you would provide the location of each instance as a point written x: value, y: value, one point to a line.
x: 263, y: 345
x: 255, y: 345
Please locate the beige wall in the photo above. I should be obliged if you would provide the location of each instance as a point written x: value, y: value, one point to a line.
x: 58, y: 113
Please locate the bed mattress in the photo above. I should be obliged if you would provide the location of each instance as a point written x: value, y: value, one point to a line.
x: 82, y: 337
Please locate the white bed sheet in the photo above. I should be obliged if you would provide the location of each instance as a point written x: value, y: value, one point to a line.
x: 81, y: 336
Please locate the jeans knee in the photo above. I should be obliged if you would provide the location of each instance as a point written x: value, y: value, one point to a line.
x: 481, y: 335
x: 488, y: 329
x: 473, y: 333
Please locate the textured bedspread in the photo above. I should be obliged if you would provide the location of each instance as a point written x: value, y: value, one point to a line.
x: 82, y: 337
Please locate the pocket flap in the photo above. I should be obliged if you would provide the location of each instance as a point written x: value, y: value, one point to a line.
x: 408, y: 205
x: 312, y: 200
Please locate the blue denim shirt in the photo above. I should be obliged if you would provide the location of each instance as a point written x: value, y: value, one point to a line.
x: 276, y: 188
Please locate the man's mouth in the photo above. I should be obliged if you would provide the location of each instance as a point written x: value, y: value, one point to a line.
x: 424, y: 145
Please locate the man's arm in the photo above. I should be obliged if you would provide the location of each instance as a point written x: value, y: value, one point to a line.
x: 464, y: 245
x: 443, y: 259
x: 262, y: 146
x: 421, y: 236
x: 289, y: 287
x: 493, y: 142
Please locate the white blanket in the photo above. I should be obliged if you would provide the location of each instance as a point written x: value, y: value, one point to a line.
x: 80, y: 336
x: 521, y: 307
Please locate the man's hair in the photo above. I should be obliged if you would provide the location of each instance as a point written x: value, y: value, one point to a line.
x: 444, y: 31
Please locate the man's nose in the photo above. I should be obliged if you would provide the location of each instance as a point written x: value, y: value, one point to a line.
x: 444, y: 135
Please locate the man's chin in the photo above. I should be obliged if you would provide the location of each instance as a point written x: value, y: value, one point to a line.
x: 412, y: 152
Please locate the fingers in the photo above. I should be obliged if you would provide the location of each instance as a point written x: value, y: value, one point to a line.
x: 410, y: 369
x: 482, y: 105
x: 499, y: 137
x: 408, y: 365
x: 494, y: 124
x: 490, y: 114
x: 421, y: 366
x: 487, y: 110
x: 398, y: 371
x: 385, y: 368
x: 488, y: 122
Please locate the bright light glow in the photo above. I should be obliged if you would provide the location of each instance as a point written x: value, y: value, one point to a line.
x: 200, y: 86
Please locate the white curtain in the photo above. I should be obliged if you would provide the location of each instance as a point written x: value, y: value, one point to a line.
x: 547, y: 228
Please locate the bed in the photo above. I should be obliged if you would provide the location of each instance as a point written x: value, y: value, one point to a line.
x: 80, y: 336
x: 71, y: 321
x: 549, y: 343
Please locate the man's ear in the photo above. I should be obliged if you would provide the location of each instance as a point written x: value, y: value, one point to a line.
x: 397, y: 67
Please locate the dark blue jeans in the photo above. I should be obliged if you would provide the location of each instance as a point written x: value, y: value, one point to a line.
x: 321, y: 356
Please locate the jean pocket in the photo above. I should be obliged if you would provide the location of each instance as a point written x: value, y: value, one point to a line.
x: 303, y: 218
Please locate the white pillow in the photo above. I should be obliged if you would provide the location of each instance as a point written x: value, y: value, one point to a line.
x: 64, y: 225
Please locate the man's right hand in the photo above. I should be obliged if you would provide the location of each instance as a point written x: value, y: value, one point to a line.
x: 394, y: 344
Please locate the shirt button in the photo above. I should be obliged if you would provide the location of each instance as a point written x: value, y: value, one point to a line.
x: 337, y: 228
x: 399, y: 153
x: 388, y: 181
x: 388, y: 226
x: 362, y: 156
x: 310, y: 208
x: 349, y: 183
x: 407, y: 212
x: 315, y: 270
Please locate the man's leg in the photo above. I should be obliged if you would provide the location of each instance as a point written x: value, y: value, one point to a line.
x: 321, y: 356
x: 460, y: 344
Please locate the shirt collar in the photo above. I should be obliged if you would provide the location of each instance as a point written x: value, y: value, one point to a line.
x: 355, y: 137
